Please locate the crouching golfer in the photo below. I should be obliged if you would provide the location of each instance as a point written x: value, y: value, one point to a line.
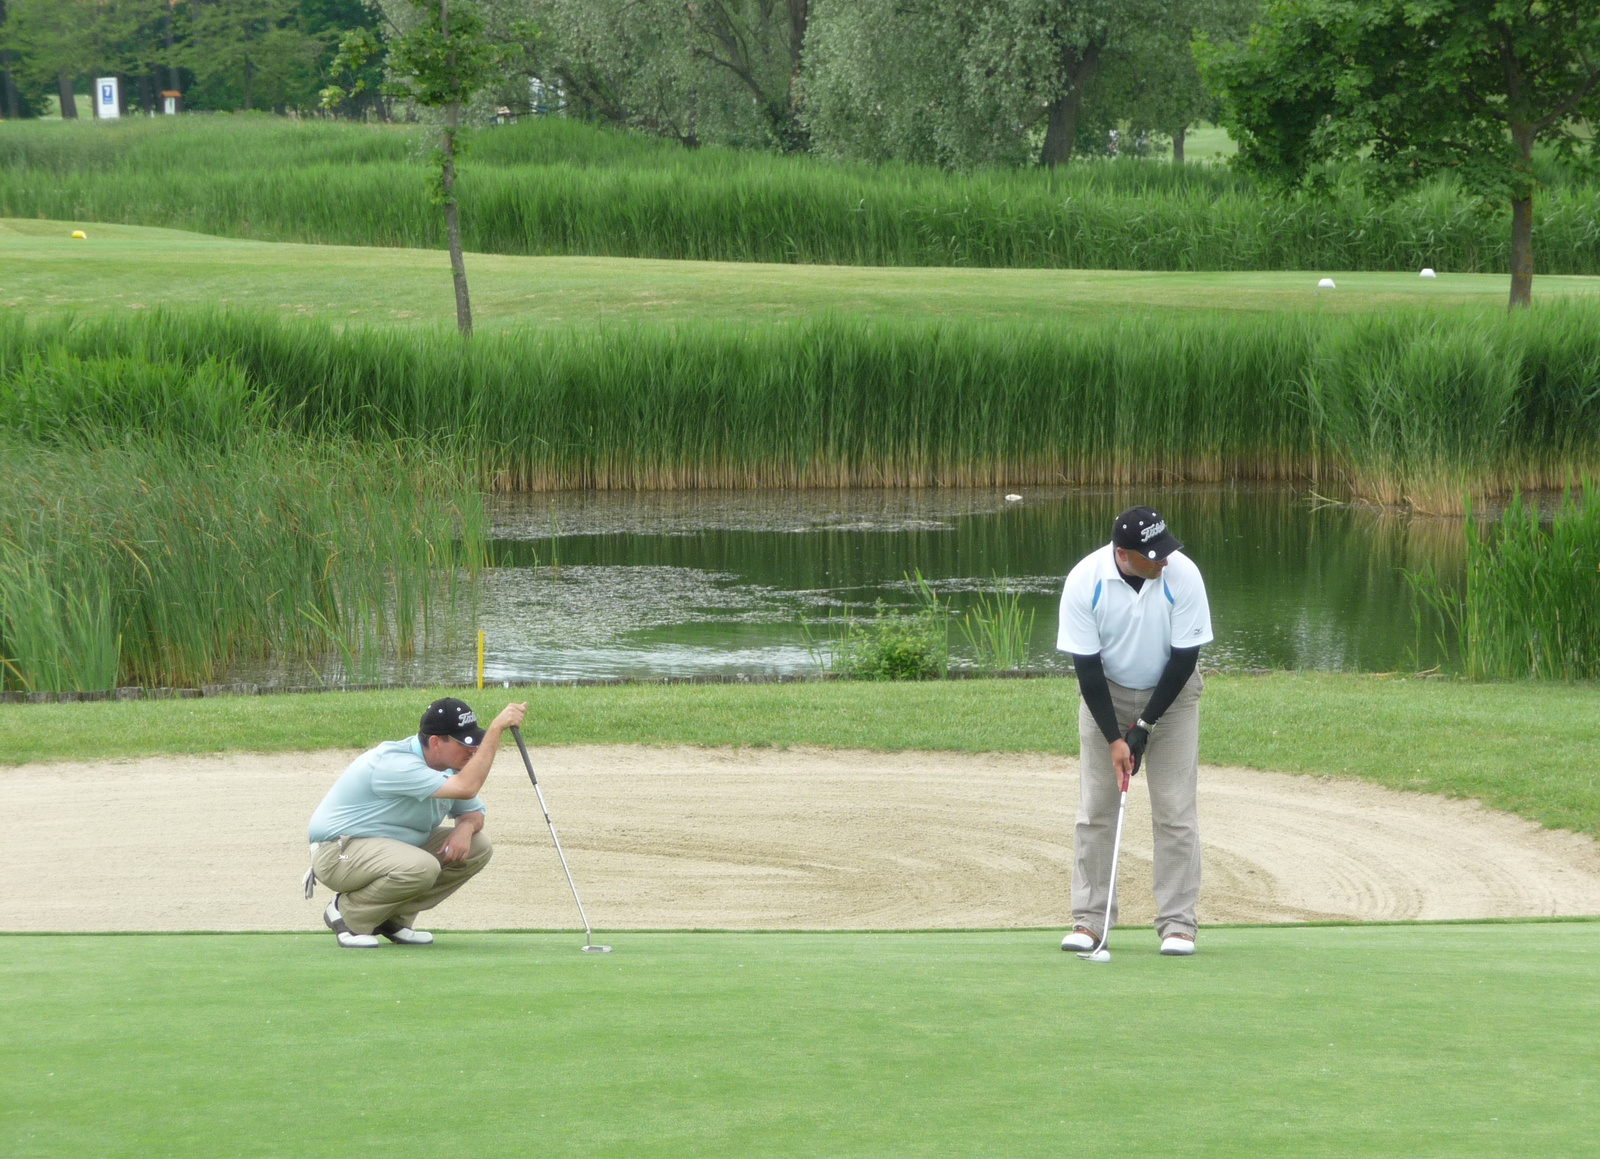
x: 377, y: 839
x: 1134, y: 616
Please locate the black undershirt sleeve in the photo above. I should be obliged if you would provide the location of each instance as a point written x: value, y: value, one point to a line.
x: 1097, y: 693
x: 1180, y: 666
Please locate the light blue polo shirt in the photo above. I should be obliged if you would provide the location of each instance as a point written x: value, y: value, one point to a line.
x: 387, y: 792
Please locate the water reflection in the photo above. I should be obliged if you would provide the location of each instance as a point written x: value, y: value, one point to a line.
x: 695, y: 583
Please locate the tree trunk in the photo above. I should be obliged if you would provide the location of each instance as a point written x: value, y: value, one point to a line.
x: 69, y: 103
x: 1062, y: 131
x: 249, y: 76
x: 1522, y: 251
x: 12, y: 110
x: 1178, y: 135
x: 1522, y: 135
x: 452, y: 221
x: 799, y: 14
x: 172, y: 58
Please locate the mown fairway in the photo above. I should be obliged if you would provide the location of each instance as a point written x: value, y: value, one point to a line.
x: 1416, y: 1041
x: 121, y: 268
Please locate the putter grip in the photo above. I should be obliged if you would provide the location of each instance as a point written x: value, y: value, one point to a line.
x: 527, y: 761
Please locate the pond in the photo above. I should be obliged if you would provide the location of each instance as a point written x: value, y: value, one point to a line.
x: 702, y: 583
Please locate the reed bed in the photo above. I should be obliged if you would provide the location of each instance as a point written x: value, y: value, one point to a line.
x: 136, y: 559
x: 557, y: 187
x: 1529, y: 606
x: 1423, y: 408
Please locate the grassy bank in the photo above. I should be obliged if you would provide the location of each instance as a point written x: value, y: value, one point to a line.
x: 556, y: 187
x: 1294, y: 1042
x: 1419, y: 408
x: 120, y: 268
x: 1528, y: 749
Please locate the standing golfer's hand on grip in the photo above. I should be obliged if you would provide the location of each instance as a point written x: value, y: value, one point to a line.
x: 1124, y: 764
x: 1137, y: 738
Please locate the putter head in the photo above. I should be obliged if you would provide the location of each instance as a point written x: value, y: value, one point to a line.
x: 1100, y: 955
x: 593, y: 949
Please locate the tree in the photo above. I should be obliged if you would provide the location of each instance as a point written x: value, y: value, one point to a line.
x: 13, y: 105
x: 975, y: 80
x: 258, y: 44
x: 761, y: 43
x: 1411, y: 88
x: 438, y: 62
x: 54, y: 43
x: 1040, y: 56
x: 888, y: 80
x: 626, y: 62
x: 1153, y: 82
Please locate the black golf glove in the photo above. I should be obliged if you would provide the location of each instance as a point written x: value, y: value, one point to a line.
x: 1137, y: 738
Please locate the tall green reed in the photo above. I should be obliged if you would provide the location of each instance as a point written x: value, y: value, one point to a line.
x: 556, y: 187
x: 1420, y: 408
x: 159, y: 523
x: 147, y: 563
x: 1530, y: 602
x: 997, y: 630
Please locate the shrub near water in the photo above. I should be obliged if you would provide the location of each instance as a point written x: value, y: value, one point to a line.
x: 557, y: 187
x: 1418, y: 408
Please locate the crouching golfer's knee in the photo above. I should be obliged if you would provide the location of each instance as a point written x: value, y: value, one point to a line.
x: 379, y: 838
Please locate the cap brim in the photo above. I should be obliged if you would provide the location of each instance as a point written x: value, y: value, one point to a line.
x: 472, y: 737
x: 1162, y: 547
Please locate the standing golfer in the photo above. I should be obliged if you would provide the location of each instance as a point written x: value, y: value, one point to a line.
x: 1134, y: 616
x: 377, y: 840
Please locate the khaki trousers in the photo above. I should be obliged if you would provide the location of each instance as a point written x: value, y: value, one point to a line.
x: 1170, y: 770
x: 379, y: 878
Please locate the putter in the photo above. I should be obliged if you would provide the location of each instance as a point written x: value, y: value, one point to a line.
x: 588, y: 935
x: 1100, y: 953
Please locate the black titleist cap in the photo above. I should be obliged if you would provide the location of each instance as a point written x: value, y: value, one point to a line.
x: 1142, y: 530
x: 452, y: 718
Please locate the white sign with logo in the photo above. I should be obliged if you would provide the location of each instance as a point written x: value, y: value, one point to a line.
x: 107, y: 100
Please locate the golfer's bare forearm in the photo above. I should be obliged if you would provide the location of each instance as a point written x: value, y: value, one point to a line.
x: 472, y: 822
x: 465, y: 785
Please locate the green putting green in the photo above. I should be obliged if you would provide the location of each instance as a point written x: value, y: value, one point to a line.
x: 118, y: 268
x: 1337, y: 1041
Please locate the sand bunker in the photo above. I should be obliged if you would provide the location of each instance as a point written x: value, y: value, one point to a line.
x: 762, y: 839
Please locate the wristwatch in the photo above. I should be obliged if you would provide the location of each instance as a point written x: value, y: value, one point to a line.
x: 1141, y: 723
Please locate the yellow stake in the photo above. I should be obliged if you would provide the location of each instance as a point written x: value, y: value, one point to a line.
x: 480, y: 661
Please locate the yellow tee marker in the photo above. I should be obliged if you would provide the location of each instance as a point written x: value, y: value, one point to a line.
x: 80, y: 235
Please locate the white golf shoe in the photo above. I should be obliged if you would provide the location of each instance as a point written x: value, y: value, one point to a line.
x: 347, y: 938
x: 405, y: 935
x: 1080, y: 939
x: 1177, y: 946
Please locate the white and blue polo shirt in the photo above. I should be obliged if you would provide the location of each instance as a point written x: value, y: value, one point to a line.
x: 1133, y: 631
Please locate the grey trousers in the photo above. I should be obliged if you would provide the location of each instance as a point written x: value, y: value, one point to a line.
x: 1170, y: 769
x: 379, y: 878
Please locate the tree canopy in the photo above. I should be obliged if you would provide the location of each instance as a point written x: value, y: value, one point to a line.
x: 1406, y: 89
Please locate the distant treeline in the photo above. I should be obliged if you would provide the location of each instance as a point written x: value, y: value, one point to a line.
x: 957, y: 83
x: 560, y: 187
x: 212, y: 55
x: 1418, y: 407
